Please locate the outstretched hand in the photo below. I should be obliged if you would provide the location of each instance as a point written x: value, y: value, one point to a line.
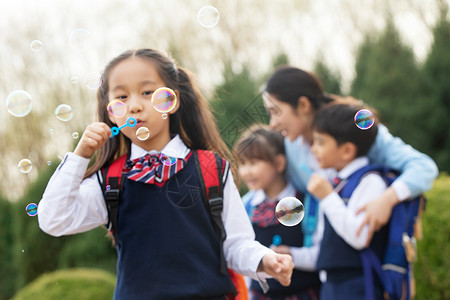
x: 378, y: 212
x: 93, y: 138
x: 279, y: 266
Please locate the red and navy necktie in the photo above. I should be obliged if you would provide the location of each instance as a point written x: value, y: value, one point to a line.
x: 152, y: 168
x: 264, y: 214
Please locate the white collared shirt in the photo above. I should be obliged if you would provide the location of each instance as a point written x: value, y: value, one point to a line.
x: 343, y: 217
x: 72, y: 205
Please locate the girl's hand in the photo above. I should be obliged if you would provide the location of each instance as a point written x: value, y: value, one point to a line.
x: 93, y: 138
x: 319, y: 186
x: 378, y: 212
x: 279, y: 266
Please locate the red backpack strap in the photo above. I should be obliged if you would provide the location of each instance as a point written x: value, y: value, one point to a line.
x: 112, y: 185
x: 213, y: 173
x: 209, y: 168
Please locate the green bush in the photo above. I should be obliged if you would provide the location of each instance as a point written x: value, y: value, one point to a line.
x: 431, y: 270
x: 71, y: 284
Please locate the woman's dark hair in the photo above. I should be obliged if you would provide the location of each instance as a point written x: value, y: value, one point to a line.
x: 259, y: 142
x: 338, y: 121
x: 193, y: 120
x: 288, y: 84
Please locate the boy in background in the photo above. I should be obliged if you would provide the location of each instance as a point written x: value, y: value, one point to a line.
x: 338, y: 143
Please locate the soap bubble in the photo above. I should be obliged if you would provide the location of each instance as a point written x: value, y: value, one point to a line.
x: 75, y: 135
x: 117, y: 108
x: 51, y: 131
x: 25, y: 166
x: 64, y: 112
x: 80, y: 39
x: 164, y: 100
x: 49, y: 162
x: 19, y: 103
x: 164, y: 116
x: 208, y: 16
x: 289, y: 211
x: 31, y: 210
x: 36, y: 45
x: 168, y: 156
x: 93, y: 80
x: 364, y: 119
x: 142, y: 133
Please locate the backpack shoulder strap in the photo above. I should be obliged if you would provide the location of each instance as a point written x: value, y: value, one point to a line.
x: 212, y: 170
x: 112, y: 186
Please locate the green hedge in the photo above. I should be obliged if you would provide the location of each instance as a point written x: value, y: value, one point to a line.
x: 72, y: 284
x: 432, y: 268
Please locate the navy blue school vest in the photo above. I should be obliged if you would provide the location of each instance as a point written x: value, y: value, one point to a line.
x: 168, y: 246
x: 290, y: 236
x: 340, y: 260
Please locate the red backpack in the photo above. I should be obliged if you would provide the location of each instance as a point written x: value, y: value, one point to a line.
x: 212, y: 171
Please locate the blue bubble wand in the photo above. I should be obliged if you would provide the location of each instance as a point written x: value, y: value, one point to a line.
x: 130, y: 122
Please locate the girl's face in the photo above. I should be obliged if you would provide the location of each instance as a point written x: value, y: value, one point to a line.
x: 133, y: 82
x: 291, y: 122
x: 259, y: 174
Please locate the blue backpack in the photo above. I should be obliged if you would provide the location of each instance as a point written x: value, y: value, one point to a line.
x: 395, y: 271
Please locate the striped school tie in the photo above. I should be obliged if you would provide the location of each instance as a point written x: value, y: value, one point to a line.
x: 153, y: 168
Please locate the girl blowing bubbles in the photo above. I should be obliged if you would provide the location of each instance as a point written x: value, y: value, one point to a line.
x: 166, y: 249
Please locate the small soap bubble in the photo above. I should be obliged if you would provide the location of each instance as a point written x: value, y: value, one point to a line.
x: 75, y: 135
x: 364, y: 119
x: 36, y: 45
x: 108, y: 187
x: 51, y: 131
x: 25, y: 166
x: 208, y: 16
x: 23, y: 251
x: 64, y: 112
x: 31, y: 210
x: 93, y: 80
x: 289, y: 211
x: 19, y: 103
x: 168, y: 156
x: 164, y: 116
x: 49, y: 162
x: 74, y: 79
x: 142, y: 133
x: 117, y: 108
x: 164, y: 100
x: 80, y: 39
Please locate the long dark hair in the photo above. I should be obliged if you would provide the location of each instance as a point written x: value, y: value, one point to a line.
x: 288, y: 84
x: 193, y: 120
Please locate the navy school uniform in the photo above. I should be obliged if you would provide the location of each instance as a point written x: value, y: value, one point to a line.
x: 343, y: 265
x: 168, y: 248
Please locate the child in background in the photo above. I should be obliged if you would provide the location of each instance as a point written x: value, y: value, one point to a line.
x: 166, y: 248
x: 262, y: 165
x: 292, y: 97
x: 338, y: 143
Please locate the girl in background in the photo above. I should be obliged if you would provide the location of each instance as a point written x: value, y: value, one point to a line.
x: 262, y: 165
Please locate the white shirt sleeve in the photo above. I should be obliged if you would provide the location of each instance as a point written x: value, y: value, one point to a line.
x: 70, y: 204
x: 305, y: 258
x: 242, y: 253
x: 343, y: 217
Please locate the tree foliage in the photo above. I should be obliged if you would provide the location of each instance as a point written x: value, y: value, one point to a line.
x: 435, y: 85
x: 387, y: 78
